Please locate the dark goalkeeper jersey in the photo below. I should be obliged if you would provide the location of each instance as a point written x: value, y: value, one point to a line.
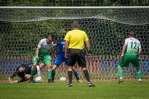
x: 27, y: 70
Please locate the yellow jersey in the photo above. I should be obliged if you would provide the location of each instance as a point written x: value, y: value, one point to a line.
x: 76, y: 39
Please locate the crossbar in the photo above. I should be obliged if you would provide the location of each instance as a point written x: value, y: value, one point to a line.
x: 74, y: 7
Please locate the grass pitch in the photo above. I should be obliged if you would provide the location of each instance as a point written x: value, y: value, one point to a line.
x: 58, y: 90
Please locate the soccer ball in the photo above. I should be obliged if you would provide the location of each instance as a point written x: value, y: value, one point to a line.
x: 62, y: 79
x: 38, y: 79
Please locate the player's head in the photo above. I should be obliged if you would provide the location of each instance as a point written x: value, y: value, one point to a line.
x: 75, y: 25
x: 21, y: 69
x: 41, y: 64
x: 50, y: 38
x: 131, y: 34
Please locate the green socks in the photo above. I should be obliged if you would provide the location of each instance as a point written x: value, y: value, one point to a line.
x: 49, y: 74
x: 139, y: 74
x: 33, y: 71
x: 120, y: 74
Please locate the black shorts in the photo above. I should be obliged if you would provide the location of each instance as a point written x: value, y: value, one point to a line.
x: 76, y: 55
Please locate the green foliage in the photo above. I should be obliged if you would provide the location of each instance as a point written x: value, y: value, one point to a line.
x: 106, y: 37
x: 74, y: 2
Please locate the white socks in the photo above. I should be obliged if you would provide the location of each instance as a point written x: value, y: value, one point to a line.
x: 38, y: 71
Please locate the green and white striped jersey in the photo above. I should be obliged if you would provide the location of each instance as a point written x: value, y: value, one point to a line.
x: 133, y: 46
x: 44, y: 47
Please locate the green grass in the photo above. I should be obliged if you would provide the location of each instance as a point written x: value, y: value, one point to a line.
x: 58, y: 90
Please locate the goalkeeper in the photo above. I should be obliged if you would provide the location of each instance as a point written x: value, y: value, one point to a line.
x: 61, y: 58
x: 23, y: 72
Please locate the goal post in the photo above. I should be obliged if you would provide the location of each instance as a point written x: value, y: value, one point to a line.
x: 21, y: 28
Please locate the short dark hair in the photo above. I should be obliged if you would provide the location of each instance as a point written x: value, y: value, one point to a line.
x: 50, y: 35
x: 75, y: 25
x: 132, y: 34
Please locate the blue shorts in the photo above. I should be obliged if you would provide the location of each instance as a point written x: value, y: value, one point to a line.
x: 60, y: 59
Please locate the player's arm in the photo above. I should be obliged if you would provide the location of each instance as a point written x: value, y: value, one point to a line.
x: 53, y: 52
x: 66, y: 44
x: 66, y: 47
x: 12, y: 76
x: 37, y: 51
x: 123, y: 50
x: 18, y: 81
x: 54, y: 45
x: 87, y: 42
x: 140, y: 49
x: 15, y: 73
x: 22, y: 80
x: 38, y: 48
x: 88, y: 47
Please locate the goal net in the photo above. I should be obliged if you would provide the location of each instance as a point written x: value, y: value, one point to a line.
x: 21, y: 28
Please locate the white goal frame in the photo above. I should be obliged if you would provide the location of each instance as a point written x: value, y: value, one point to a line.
x: 74, y: 7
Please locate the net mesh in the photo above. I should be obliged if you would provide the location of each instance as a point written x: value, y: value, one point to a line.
x: 22, y: 29
x: 124, y: 16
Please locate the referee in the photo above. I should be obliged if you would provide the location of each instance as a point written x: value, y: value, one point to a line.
x: 74, y: 45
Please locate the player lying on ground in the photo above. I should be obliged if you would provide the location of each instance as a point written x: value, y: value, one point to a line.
x: 60, y: 59
x: 43, y: 51
x: 130, y: 53
x: 23, y: 72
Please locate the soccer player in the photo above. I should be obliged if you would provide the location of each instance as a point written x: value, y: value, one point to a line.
x: 60, y: 59
x: 74, y: 45
x: 23, y: 71
x: 130, y: 53
x: 43, y: 51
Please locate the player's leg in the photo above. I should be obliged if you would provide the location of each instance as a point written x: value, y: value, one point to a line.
x: 39, y: 67
x: 70, y: 75
x: 76, y: 73
x: 54, y: 67
x: 38, y: 71
x: 120, y: 74
x: 86, y: 74
x: 120, y: 71
x: 57, y: 62
x: 71, y: 63
x: 33, y: 70
x: 82, y: 63
x: 139, y: 74
x: 124, y: 62
x: 74, y: 70
x: 53, y: 75
x: 136, y: 64
x: 47, y: 60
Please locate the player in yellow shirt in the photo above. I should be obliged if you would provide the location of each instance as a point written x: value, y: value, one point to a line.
x: 74, y: 45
